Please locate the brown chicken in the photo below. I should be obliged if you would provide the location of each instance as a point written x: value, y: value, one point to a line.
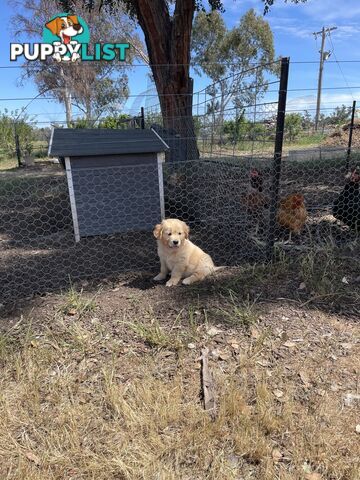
x: 292, y: 213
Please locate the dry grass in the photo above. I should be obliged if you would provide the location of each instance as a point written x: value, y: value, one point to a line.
x: 85, y: 398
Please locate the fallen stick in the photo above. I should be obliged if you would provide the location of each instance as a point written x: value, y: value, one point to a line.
x: 207, y: 384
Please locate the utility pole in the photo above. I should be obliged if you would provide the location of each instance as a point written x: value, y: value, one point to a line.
x: 323, y: 57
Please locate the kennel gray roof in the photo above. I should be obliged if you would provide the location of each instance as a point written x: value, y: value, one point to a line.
x: 71, y: 142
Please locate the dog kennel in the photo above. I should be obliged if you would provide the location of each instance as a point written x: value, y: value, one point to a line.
x: 114, y: 177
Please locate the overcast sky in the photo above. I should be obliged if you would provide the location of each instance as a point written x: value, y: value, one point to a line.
x: 292, y: 26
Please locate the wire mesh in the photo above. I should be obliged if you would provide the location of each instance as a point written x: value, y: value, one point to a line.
x: 218, y: 178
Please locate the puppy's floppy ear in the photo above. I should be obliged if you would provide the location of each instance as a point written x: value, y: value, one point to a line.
x: 74, y: 19
x: 158, y: 231
x: 186, y: 230
x: 53, y: 25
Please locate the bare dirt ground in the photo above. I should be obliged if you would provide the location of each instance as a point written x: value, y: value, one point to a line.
x: 105, y: 383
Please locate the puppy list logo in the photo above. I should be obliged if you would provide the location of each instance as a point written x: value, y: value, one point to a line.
x: 66, y: 38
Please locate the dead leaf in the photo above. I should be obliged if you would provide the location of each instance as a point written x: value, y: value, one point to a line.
x: 313, y: 476
x: 71, y: 311
x: 351, y: 399
x: 307, y: 468
x: 263, y: 363
x: 224, y: 356
x: 254, y: 333
x: 289, y: 344
x: 357, y: 428
x: 213, y: 331
x: 302, y: 286
x: 32, y: 457
x: 191, y: 346
x: 304, y: 378
x: 278, y: 393
x: 276, y: 455
x: 345, y: 280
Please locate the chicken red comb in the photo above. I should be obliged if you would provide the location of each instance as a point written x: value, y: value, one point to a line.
x: 355, y: 177
x: 254, y: 172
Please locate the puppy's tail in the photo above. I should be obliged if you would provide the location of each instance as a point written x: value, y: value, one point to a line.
x: 216, y: 269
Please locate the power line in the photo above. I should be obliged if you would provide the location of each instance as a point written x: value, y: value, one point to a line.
x: 140, y: 65
x: 342, y: 73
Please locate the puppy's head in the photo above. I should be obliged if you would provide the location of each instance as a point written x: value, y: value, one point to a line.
x: 172, y: 232
x: 65, y: 27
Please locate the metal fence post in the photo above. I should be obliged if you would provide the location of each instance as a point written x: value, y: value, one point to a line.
x: 17, y: 144
x: 348, y: 153
x: 276, y: 168
x: 142, y: 118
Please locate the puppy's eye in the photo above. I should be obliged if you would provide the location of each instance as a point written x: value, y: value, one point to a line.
x: 63, y: 25
x: 169, y: 234
x: 179, y: 233
x: 70, y: 24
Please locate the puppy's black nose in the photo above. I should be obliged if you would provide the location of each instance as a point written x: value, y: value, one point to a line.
x: 77, y: 26
x: 175, y: 242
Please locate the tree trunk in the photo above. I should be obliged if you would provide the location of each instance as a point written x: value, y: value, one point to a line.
x: 68, y: 107
x: 67, y: 99
x: 168, y: 44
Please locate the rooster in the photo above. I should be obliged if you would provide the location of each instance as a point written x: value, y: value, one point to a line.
x: 347, y: 206
x: 292, y: 213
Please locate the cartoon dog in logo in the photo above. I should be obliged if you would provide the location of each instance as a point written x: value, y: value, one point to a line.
x: 65, y: 28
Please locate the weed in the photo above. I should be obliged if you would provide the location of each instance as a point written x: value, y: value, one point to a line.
x: 319, y: 272
x: 239, y: 312
x: 76, y: 303
x: 155, y: 336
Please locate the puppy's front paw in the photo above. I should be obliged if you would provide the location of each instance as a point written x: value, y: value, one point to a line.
x: 187, y: 281
x: 75, y: 56
x: 159, y: 277
x: 172, y: 282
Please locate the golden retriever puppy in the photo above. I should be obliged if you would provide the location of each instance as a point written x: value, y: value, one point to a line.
x: 179, y: 256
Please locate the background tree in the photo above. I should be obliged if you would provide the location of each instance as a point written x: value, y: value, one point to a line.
x: 293, y: 125
x: 228, y: 56
x: 116, y: 121
x: 340, y: 115
x: 10, y: 127
x: 94, y: 87
x: 307, y: 120
x: 167, y: 33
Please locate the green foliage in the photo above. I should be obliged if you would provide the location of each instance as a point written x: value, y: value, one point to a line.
x: 235, y: 129
x: 131, y: 5
x: 227, y: 57
x: 9, y: 125
x: 97, y: 88
x: 242, y: 129
x: 82, y: 123
x: 269, y: 3
x: 120, y: 121
x: 307, y: 120
x: 220, y: 52
x: 293, y: 125
x: 340, y: 115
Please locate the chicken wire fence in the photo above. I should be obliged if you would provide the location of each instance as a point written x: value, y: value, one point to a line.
x: 240, y: 205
